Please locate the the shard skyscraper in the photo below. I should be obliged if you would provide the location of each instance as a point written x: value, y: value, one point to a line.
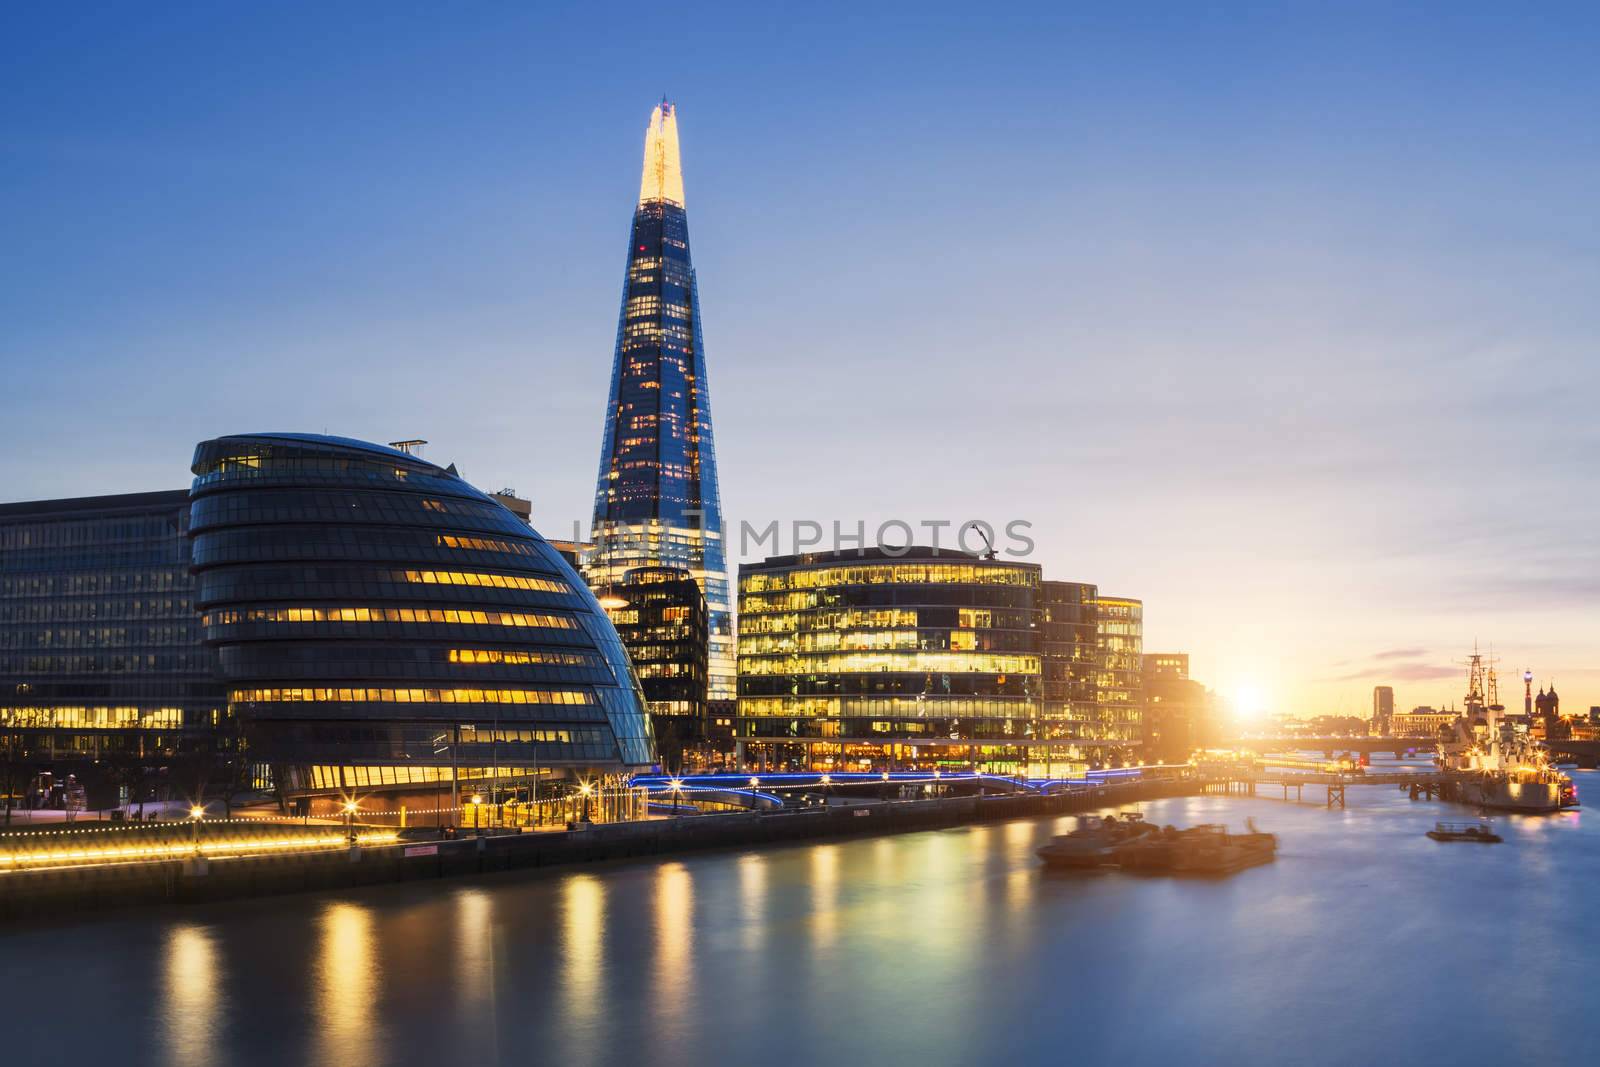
x: 657, y: 503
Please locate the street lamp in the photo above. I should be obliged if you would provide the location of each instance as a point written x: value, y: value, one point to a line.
x: 477, y: 810
x: 677, y: 788
x: 350, y: 809
x: 587, y: 790
x: 196, y: 813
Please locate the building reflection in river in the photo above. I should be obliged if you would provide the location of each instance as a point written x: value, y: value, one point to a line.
x: 673, y: 973
x: 348, y: 978
x: 474, y: 957
x: 825, y: 895
x: 191, y: 1017
x: 752, y: 901
x: 582, y: 960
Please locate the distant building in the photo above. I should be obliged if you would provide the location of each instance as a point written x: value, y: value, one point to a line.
x: 1175, y: 709
x: 386, y: 630
x: 1119, y: 685
x: 574, y: 552
x: 103, y: 673
x: 879, y: 659
x: 1382, y: 709
x: 522, y: 509
x: 720, y: 718
x: 660, y: 616
x: 1421, y: 722
x: 1547, y: 715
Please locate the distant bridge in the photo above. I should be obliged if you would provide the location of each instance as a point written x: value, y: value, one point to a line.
x: 1583, y: 753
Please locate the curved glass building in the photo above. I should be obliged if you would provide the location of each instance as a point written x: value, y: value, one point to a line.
x: 382, y: 625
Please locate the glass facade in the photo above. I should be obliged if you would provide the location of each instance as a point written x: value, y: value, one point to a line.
x: 657, y: 502
x: 101, y: 658
x: 661, y: 618
x: 873, y: 660
x: 1071, y: 651
x: 1119, y: 684
x: 380, y: 623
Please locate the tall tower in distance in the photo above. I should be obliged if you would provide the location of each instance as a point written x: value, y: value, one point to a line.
x: 657, y: 502
x: 1382, y: 709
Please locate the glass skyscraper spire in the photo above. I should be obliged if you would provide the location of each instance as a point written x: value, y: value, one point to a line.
x: 657, y: 502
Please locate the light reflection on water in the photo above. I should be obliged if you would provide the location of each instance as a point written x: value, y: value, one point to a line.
x: 346, y: 982
x: 189, y: 993
x: 1365, y: 942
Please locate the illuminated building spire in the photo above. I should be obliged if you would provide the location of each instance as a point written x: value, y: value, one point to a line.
x: 656, y: 499
x: 663, y: 171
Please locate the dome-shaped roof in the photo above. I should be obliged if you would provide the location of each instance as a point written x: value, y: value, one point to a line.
x: 366, y: 603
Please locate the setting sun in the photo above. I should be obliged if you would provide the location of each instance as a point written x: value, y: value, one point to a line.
x: 1249, y: 701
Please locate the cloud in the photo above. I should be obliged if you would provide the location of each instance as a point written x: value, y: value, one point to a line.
x: 1422, y: 672
x: 1398, y: 672
x: 1400, y: 653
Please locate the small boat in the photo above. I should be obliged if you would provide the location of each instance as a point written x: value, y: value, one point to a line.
x: 1204, y: 849
x: 1094, y: 842
x: 1479, y: 832
x: 1216, y: 851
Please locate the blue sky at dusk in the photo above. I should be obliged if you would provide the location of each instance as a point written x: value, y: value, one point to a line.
x: 1280, y: 317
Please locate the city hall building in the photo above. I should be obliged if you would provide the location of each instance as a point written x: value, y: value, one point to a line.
x: 385, y: 628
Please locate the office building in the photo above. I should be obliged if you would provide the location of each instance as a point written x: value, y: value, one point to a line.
x: 1176, y: 709
x: 103, y: 674
x: 899, y: 658
x: 660, y: 617
x: 1070, y: 662
x: 1382, y: 709
x: 1119, y: 686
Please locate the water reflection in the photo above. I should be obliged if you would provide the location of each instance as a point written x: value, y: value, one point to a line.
x: 674, y: 925
x: 474, y: 957
x: 583, y: 929
x: 752, y: 902
x: 191, y: 1016
x: 347, y: 1031
x: 948, y: 946
x: 825, y: 895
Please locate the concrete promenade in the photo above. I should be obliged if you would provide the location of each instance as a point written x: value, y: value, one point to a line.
x: 76, y: 890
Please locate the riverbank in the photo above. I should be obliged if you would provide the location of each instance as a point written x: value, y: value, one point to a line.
x: 28, y: 894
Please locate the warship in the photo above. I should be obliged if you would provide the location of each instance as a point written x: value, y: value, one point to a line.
x: 1503, y: 769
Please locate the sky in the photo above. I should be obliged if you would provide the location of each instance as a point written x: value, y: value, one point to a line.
x: 1280, y: 317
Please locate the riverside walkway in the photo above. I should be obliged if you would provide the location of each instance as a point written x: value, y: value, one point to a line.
x: 88, y: 869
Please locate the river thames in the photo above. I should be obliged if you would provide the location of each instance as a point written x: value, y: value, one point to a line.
x: 1365, y: 942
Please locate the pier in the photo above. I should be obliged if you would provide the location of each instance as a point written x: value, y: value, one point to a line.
x: 1429, y: 785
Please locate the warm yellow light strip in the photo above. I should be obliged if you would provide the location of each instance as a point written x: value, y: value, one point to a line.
x: 409, y: 696
x: 413, y: 615
x: 663, y: 172
x: 491, y: 581
x: 495, y: 655
x: 43, y: 859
